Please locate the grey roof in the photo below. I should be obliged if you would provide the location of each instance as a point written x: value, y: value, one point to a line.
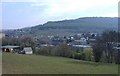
x: 9, y: 46
x: 116, y: 48
x: 84, y: 46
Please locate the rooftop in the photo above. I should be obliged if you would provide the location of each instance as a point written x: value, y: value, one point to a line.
x: 9, y: 46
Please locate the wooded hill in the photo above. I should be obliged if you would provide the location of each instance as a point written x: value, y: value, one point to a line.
x: 70, y: 27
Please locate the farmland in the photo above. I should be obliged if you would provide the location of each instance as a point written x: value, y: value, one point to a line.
x: 38, y: 64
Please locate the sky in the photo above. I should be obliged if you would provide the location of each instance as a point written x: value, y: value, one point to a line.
x: 18, y: 14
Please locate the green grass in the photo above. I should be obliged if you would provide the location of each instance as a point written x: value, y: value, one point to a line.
x: 37, y: 64
x: 0, y: 62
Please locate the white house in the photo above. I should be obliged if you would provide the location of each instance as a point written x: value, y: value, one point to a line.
x: 28, y: 50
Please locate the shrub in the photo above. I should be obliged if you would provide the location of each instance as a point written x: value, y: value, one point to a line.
x: 44, y: 50
x: 88, y: 54
x: 82, y: 56
x: 97, y: 52
x: 63, y: 50
x: 77, y: 56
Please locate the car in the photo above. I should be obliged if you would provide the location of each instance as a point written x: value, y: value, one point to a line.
x: 21, y: 52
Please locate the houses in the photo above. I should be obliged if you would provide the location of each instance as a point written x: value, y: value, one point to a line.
x: 17, y: 49
x: 77, y: 41
x: 56, y: 40
x: 10, y: 48
x: 81, y: 41
x: 45, y: 45
x: 80, y: 47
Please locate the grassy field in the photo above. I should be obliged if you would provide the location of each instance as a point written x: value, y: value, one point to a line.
x: 37, y: 64
x: 0, y: 62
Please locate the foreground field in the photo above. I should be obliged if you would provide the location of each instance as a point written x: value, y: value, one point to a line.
x: 0, y: 62
x: 37, y: 64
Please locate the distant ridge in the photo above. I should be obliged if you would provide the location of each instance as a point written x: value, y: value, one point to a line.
x: 73, y: 26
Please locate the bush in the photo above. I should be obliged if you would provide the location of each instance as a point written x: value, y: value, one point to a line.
x: 77, y: 56
x: 88, y: 54
x: 63, y: 50
x: 97, y: 52
x: 44, y: 50
x: 82, y: 56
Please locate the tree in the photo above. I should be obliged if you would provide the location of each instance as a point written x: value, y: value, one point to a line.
x: 10, y: 40
x: 28, y: 41
x: 97, y: 51
x: 107, y: 40
x: 88, y: 54
x: 45, y: 50
x: 63, y: 50
x: 117, y: 56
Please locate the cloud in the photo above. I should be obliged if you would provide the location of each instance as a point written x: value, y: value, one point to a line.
x: 40, y: 11
x: 62, y: 7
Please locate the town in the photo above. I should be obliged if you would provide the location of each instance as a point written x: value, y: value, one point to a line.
x: 74, y: 46
x: 79, y: 41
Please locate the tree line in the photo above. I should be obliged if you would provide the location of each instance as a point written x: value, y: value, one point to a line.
x: 104, y: 47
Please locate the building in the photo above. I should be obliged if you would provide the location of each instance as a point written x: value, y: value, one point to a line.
x: 28, y: 50
x: 80, y: 47
x: 46, y: 45
x: 56, y: 40
x: 10, y: 48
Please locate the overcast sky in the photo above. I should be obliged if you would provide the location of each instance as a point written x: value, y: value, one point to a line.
x: 26, y: 13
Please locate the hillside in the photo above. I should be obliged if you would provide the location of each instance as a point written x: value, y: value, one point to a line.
x: 37, y: 64
x: 68, y: 27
